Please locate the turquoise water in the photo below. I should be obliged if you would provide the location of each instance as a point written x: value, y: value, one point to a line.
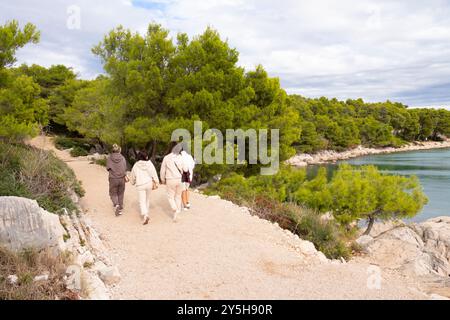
x: 432, y: 167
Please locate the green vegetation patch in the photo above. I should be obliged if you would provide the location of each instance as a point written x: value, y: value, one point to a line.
x: 32, y: 173
x: 79, y: 147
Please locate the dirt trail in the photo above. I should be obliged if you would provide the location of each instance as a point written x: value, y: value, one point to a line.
x: 215, y: 251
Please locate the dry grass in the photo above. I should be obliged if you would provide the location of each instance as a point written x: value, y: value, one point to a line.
x: 32, y: 173
x: 28, y: 264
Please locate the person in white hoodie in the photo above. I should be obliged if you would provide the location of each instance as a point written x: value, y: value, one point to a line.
x: 172, y: 168
x: 189, y: 162
x: 145, y: 178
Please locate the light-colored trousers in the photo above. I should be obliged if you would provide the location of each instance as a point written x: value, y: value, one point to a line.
x: 144, y: 198
x: 174, y: 189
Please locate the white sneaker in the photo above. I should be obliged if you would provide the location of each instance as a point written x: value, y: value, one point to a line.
x: 188, y: 205
x: 185, y: 209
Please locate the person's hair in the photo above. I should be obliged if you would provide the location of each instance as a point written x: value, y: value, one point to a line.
x: 172, y: 145
x: 142, y: 155
x: 184, y: 147
x: 116, y: 148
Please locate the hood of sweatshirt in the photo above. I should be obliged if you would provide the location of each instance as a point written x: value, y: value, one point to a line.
x: 116, y: 157
x: 142, y: 165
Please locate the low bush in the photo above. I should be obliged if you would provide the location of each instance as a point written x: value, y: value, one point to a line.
x: 80, y: 146
x: 78, y: 152
x: 36, y: 174
x: 100, y: 162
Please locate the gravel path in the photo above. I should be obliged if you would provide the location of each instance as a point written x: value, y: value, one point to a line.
x: 216, y: 251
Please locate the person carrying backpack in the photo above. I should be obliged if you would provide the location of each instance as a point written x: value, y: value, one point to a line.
x: 172, y: 169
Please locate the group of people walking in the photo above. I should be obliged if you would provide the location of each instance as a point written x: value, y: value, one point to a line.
x: 176, y: 173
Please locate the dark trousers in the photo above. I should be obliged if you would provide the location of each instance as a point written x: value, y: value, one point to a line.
x: 116, y: 191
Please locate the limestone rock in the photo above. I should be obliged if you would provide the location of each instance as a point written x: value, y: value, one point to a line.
x: 420, y: 249
x: 404, y: 234
x: 95, y: 288
x: 43, y: 277
x: 109, y: 275
x: 381, y: 227
x: 364, y: 241
x: 12, y: 279
x: 86, y: 258
x: 23, y: 224
x: 307, y: 248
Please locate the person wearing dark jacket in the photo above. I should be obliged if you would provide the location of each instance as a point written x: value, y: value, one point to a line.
x: 117, y: 168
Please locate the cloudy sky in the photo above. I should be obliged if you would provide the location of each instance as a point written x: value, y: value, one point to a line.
x: 374, y: 49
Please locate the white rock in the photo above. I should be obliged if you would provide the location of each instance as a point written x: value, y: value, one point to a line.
x: 322, y: 257
x: 381, y: 227
x: 99, y: 265
x: 12, y: 279
x: 86, y: 258
x: 404, y: 234
x: 109, y: 275
x: 421, y: 249
x: 364, y: 241
x: 73, y: 278
x: 23, y: 224
x: 43, y: 277
x: 95, y: 287
x: 307, y: 247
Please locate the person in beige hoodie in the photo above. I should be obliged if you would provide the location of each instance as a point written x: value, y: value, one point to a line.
x: 171, y: 171
x: 145, y: 178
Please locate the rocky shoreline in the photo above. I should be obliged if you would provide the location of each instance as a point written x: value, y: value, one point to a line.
x: 327, y: 156
x: 419, y: 251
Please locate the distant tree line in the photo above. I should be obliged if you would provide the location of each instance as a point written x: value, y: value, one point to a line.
x: 338, y: 125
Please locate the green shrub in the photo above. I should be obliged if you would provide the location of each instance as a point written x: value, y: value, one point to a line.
x: 101, y: 162
x: 64, y: 143
x: 36, y: 174
x: 78, y: 152
x: 80, y: 146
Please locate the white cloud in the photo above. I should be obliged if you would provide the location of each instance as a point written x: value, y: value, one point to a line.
x: 375, y: 49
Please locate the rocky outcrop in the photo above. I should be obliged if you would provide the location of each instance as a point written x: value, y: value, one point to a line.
x: 419, y: 250
x: 302, y: 160
x: 24, y: 225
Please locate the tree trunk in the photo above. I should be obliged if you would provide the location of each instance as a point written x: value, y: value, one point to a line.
x: 153, y: 154
x: 369, y: 227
